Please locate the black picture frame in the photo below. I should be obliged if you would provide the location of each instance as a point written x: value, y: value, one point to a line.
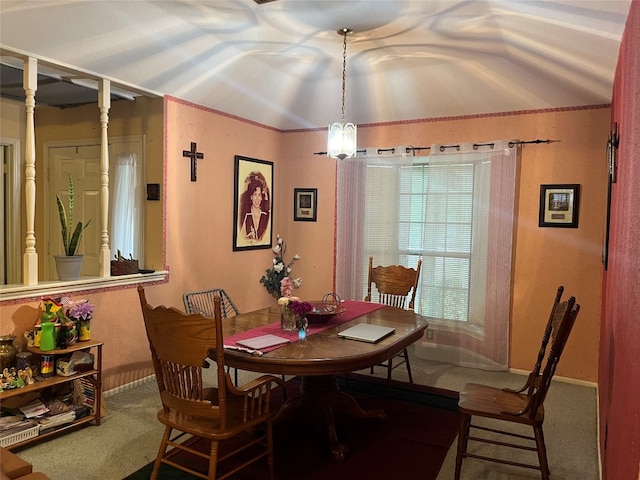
x: 559, y: 205
x: 612, y: 153
x: 251, y: 174
x: 305, y: 204
x: 612, y: 177
x: 153, y: 191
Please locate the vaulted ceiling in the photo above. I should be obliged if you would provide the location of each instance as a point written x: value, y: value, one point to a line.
x: 279, y: 63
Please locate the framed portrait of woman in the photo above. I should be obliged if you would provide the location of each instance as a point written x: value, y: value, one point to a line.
x: 253, y: 203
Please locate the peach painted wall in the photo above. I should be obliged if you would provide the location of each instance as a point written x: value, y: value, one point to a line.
x: 199, y: 234
x: 313, y: 240
x: 199, y: 218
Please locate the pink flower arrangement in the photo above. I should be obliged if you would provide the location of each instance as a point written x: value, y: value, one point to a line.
x: 286, y: 287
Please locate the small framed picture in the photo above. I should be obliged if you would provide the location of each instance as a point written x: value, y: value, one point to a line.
x: 559, y: 205
x: 305, y: 204
x: 153, y: 191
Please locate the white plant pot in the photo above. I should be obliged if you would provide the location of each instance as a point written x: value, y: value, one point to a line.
x: 68, y: 268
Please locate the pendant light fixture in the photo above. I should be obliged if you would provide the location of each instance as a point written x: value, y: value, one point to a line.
x: 342, y: 137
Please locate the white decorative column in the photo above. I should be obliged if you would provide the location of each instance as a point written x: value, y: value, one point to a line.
x: 104, y: 104
x: 30, y: 258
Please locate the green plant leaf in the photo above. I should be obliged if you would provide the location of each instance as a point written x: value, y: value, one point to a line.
x: 63, y: 224
x: 71, y: 198
x: 70, y: 241
x: 75, y: 238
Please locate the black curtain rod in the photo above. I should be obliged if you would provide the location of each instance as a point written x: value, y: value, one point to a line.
x: 444, y: 147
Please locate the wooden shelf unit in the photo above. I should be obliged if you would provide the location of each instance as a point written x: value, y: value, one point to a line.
x: 94, y: 376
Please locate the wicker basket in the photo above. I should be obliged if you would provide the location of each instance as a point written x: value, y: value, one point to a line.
x: 124, y: 267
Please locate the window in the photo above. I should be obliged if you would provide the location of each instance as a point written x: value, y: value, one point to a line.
x: 455, y: 211
x: 433, y: 212
x: 126, y: 211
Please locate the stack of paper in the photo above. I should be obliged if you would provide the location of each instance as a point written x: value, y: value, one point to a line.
x: 34, y: 408
x: 56, y: 420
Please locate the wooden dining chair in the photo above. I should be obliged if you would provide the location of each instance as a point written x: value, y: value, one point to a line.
x: 524, y: 406
x: 179, y: 344
x: 203, y: 302
x: 394, y: 284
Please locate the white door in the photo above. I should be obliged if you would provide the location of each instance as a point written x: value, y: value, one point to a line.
x: 83, y: 163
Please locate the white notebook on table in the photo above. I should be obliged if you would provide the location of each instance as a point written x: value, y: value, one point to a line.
x: 263, y: 341
x: 366, y: 332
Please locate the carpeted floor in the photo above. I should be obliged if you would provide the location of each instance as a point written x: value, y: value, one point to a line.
x: 412, y: 441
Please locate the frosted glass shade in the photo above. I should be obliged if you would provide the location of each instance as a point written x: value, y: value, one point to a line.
x: 342, y: 140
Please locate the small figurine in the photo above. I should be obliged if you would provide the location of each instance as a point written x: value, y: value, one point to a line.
x: 26, y: 376
x: 8, y: 375
x: 29, y: 336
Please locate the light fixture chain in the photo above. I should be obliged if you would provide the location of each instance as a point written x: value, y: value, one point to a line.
x: 342, y: 140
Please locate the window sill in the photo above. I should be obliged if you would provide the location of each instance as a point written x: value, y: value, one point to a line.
x: 42, y: 289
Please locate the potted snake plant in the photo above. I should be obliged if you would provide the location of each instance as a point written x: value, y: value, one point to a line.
x: 69, y: 265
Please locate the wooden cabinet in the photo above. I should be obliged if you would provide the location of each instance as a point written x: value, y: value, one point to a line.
x: 94, y: 376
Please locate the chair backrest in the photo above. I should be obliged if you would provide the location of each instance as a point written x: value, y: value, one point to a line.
x: 393, y: 283
x: 549, y: 333
x: 180, y: 344
x: 562, y: 320
x: 202, y: 302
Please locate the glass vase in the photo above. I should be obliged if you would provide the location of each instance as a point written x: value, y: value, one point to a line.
x: 287, y: 319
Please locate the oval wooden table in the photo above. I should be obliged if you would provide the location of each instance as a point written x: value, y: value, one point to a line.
x: 321, y: 357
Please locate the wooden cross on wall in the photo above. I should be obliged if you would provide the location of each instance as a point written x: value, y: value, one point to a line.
x: 195, y: 156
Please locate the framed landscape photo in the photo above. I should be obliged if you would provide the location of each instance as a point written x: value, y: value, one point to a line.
x: 253, y: 203
x: 305, y: 204
x: 559, y: 205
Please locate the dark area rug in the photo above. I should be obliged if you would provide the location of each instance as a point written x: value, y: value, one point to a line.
x: 412, y: 442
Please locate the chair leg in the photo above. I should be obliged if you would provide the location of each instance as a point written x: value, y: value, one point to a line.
x: 213, y: 460
x: 270, y: 448
x: 389, y: 370
x: 161, y: 452
x: 542, y: 452
x: 235, y: 376
x: 284, y: 389
x: 463, y: 439
x: 406, y: 360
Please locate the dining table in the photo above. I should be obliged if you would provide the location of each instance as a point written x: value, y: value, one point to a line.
x: 320, y: 357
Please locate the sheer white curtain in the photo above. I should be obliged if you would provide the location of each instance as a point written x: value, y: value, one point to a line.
x: 126, y: 211
x: 454, y: 209
x: 362, y: 217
